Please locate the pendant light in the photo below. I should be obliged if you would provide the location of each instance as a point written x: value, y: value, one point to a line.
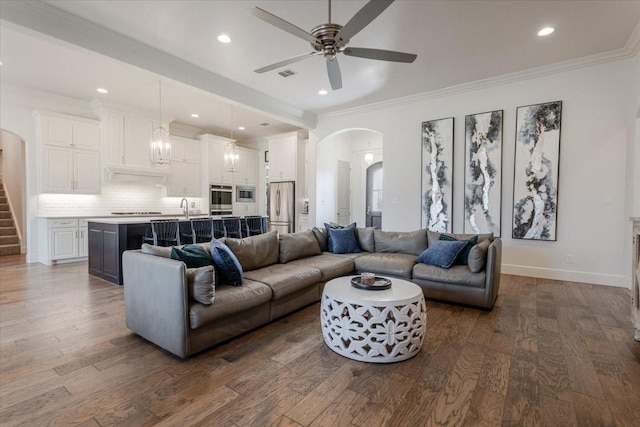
x: 160, y: 145
x: 231, y: 152
x: 368, y: 156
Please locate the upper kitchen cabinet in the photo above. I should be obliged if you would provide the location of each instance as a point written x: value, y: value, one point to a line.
x: 286, y: 157
x: 248, y: 168
x: 125, y: 136
x: 184, y: 178
x: 70, y: 151
x: 217, y: 172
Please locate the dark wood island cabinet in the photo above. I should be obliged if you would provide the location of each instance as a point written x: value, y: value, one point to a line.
x: 107, y: 242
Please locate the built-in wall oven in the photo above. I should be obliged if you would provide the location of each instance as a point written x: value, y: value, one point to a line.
x: 221, y: 200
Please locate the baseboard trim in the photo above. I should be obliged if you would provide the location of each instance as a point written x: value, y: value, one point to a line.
x: 568, y: 275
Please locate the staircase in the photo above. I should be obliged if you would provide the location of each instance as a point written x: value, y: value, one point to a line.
x: 9, y: 242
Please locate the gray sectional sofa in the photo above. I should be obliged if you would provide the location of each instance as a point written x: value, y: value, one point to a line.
x: 165, y: 303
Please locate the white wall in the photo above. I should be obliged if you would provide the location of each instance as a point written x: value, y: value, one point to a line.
x: 13, y: 176
x: 597, y: 125
x: 635, y: 186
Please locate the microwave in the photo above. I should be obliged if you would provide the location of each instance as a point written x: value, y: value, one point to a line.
x: 245, y: 193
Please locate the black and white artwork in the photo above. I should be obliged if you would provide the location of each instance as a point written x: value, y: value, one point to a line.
x: 537, y: 158
x: 437, y: 174
x: 483, y: 173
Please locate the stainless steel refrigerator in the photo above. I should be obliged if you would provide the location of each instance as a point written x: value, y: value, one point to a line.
x: 282, y: 207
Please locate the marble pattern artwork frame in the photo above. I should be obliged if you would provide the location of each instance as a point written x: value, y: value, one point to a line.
x: 483, y: 173
x: 437, y: 175
x: 536, y: 171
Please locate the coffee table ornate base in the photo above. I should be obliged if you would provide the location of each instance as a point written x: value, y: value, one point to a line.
x: 373, y: 326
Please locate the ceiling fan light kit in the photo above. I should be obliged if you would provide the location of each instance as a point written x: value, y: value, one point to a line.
x: 330, y: 39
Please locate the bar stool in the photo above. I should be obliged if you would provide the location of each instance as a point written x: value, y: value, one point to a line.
x: 232, y: 227
x: 202, y: 230
x: 254, y: 225
x: 166, y: 232
x: 217, y: 228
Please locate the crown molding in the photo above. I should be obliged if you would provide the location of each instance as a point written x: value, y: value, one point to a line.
x: 38, y: 100
x: 630, y: 49
x: 49, y: 20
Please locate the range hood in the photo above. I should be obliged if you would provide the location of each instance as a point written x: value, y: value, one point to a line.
x: 141, y: 176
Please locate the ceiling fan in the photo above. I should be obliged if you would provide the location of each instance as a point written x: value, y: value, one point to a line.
x: 330, y: 39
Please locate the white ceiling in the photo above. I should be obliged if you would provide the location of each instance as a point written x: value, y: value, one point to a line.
x: 456, y: 41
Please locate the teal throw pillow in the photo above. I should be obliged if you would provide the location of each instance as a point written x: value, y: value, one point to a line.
x: 343, y: 241
x: 193, y: 256
x: 463, y: 258
x: 442, y: 253
x: 228, y: 268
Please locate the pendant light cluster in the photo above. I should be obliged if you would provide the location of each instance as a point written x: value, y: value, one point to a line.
x: 160, y: 145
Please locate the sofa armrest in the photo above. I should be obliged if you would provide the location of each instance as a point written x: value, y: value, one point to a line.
x: 493, y: 270
x: 156, y: 300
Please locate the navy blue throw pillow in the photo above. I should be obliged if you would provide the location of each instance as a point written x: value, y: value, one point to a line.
x: 333, y: 225
x: 442, y: 253
x: 193, y: 256
x: 463, y: 258
x: 343, y: 241
x: 228, y: 268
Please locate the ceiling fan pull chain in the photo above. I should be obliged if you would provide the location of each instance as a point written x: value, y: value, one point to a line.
x: 329, y: 11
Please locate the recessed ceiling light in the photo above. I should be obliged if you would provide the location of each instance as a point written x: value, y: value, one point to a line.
x: 195, y: 116
x: 322, y: 92
x: 102, y: 90
x: 546, y: 31
x: 240, y: 127
x: 223, y: 38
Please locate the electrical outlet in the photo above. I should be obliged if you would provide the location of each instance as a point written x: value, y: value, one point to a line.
x: 193, y: 203
x: 569, y: 259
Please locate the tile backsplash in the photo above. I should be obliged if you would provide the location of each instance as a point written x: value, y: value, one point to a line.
x: 115, y: 197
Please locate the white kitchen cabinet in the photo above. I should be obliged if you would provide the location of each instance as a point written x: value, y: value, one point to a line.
x: 65, y: 240
x: 303, y: 222
x: 245, y: 209
x: 217, y: 173
x: 248, y: 168
x: 126, y: 139
x: 69, y: 150
x: 283, y: 158
x: 184, y: 180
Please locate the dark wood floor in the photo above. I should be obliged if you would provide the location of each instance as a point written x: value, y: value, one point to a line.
x: 550, y: 354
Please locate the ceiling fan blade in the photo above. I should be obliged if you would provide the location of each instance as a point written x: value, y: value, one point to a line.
x: 283, y: 63
x: 379, y: 54
x: 361, y: 19
x: 335, y: 77
x: 283, y: 25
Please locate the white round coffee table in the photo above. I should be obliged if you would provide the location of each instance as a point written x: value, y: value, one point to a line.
x: 373, y: 326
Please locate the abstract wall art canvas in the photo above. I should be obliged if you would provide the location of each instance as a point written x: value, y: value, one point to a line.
x: 537, y: 158
x: 437, y: 174
x: 483, y: 173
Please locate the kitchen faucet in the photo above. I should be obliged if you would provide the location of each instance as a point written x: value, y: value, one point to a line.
x: 185, y: 208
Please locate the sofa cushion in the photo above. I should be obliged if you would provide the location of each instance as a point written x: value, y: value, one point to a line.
x: 442, y: 253
x: 298, y: 245
x: 478, y: 256
x: 161, y: 251
x: 400, y: 241
x: 393, y: 264
x: 433, y: 236
x: 321, y: 237
x: 366, y: 239
x: 228, y: 268
x: 457, y: 275
x: 330, y: 265
x: 284, y: 279
x: 343, y: 241
x: 463, y: 257
x: 193, y: 256
x: 201, y: 284
x: 229, y: 300
x: 255, y: 251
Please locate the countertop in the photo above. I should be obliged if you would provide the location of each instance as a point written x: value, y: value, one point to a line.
x: 119, y: 219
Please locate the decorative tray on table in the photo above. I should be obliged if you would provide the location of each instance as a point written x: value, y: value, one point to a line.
x: 379, y: 284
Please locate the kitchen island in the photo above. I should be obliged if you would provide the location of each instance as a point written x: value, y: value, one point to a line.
x: 109, y: 237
